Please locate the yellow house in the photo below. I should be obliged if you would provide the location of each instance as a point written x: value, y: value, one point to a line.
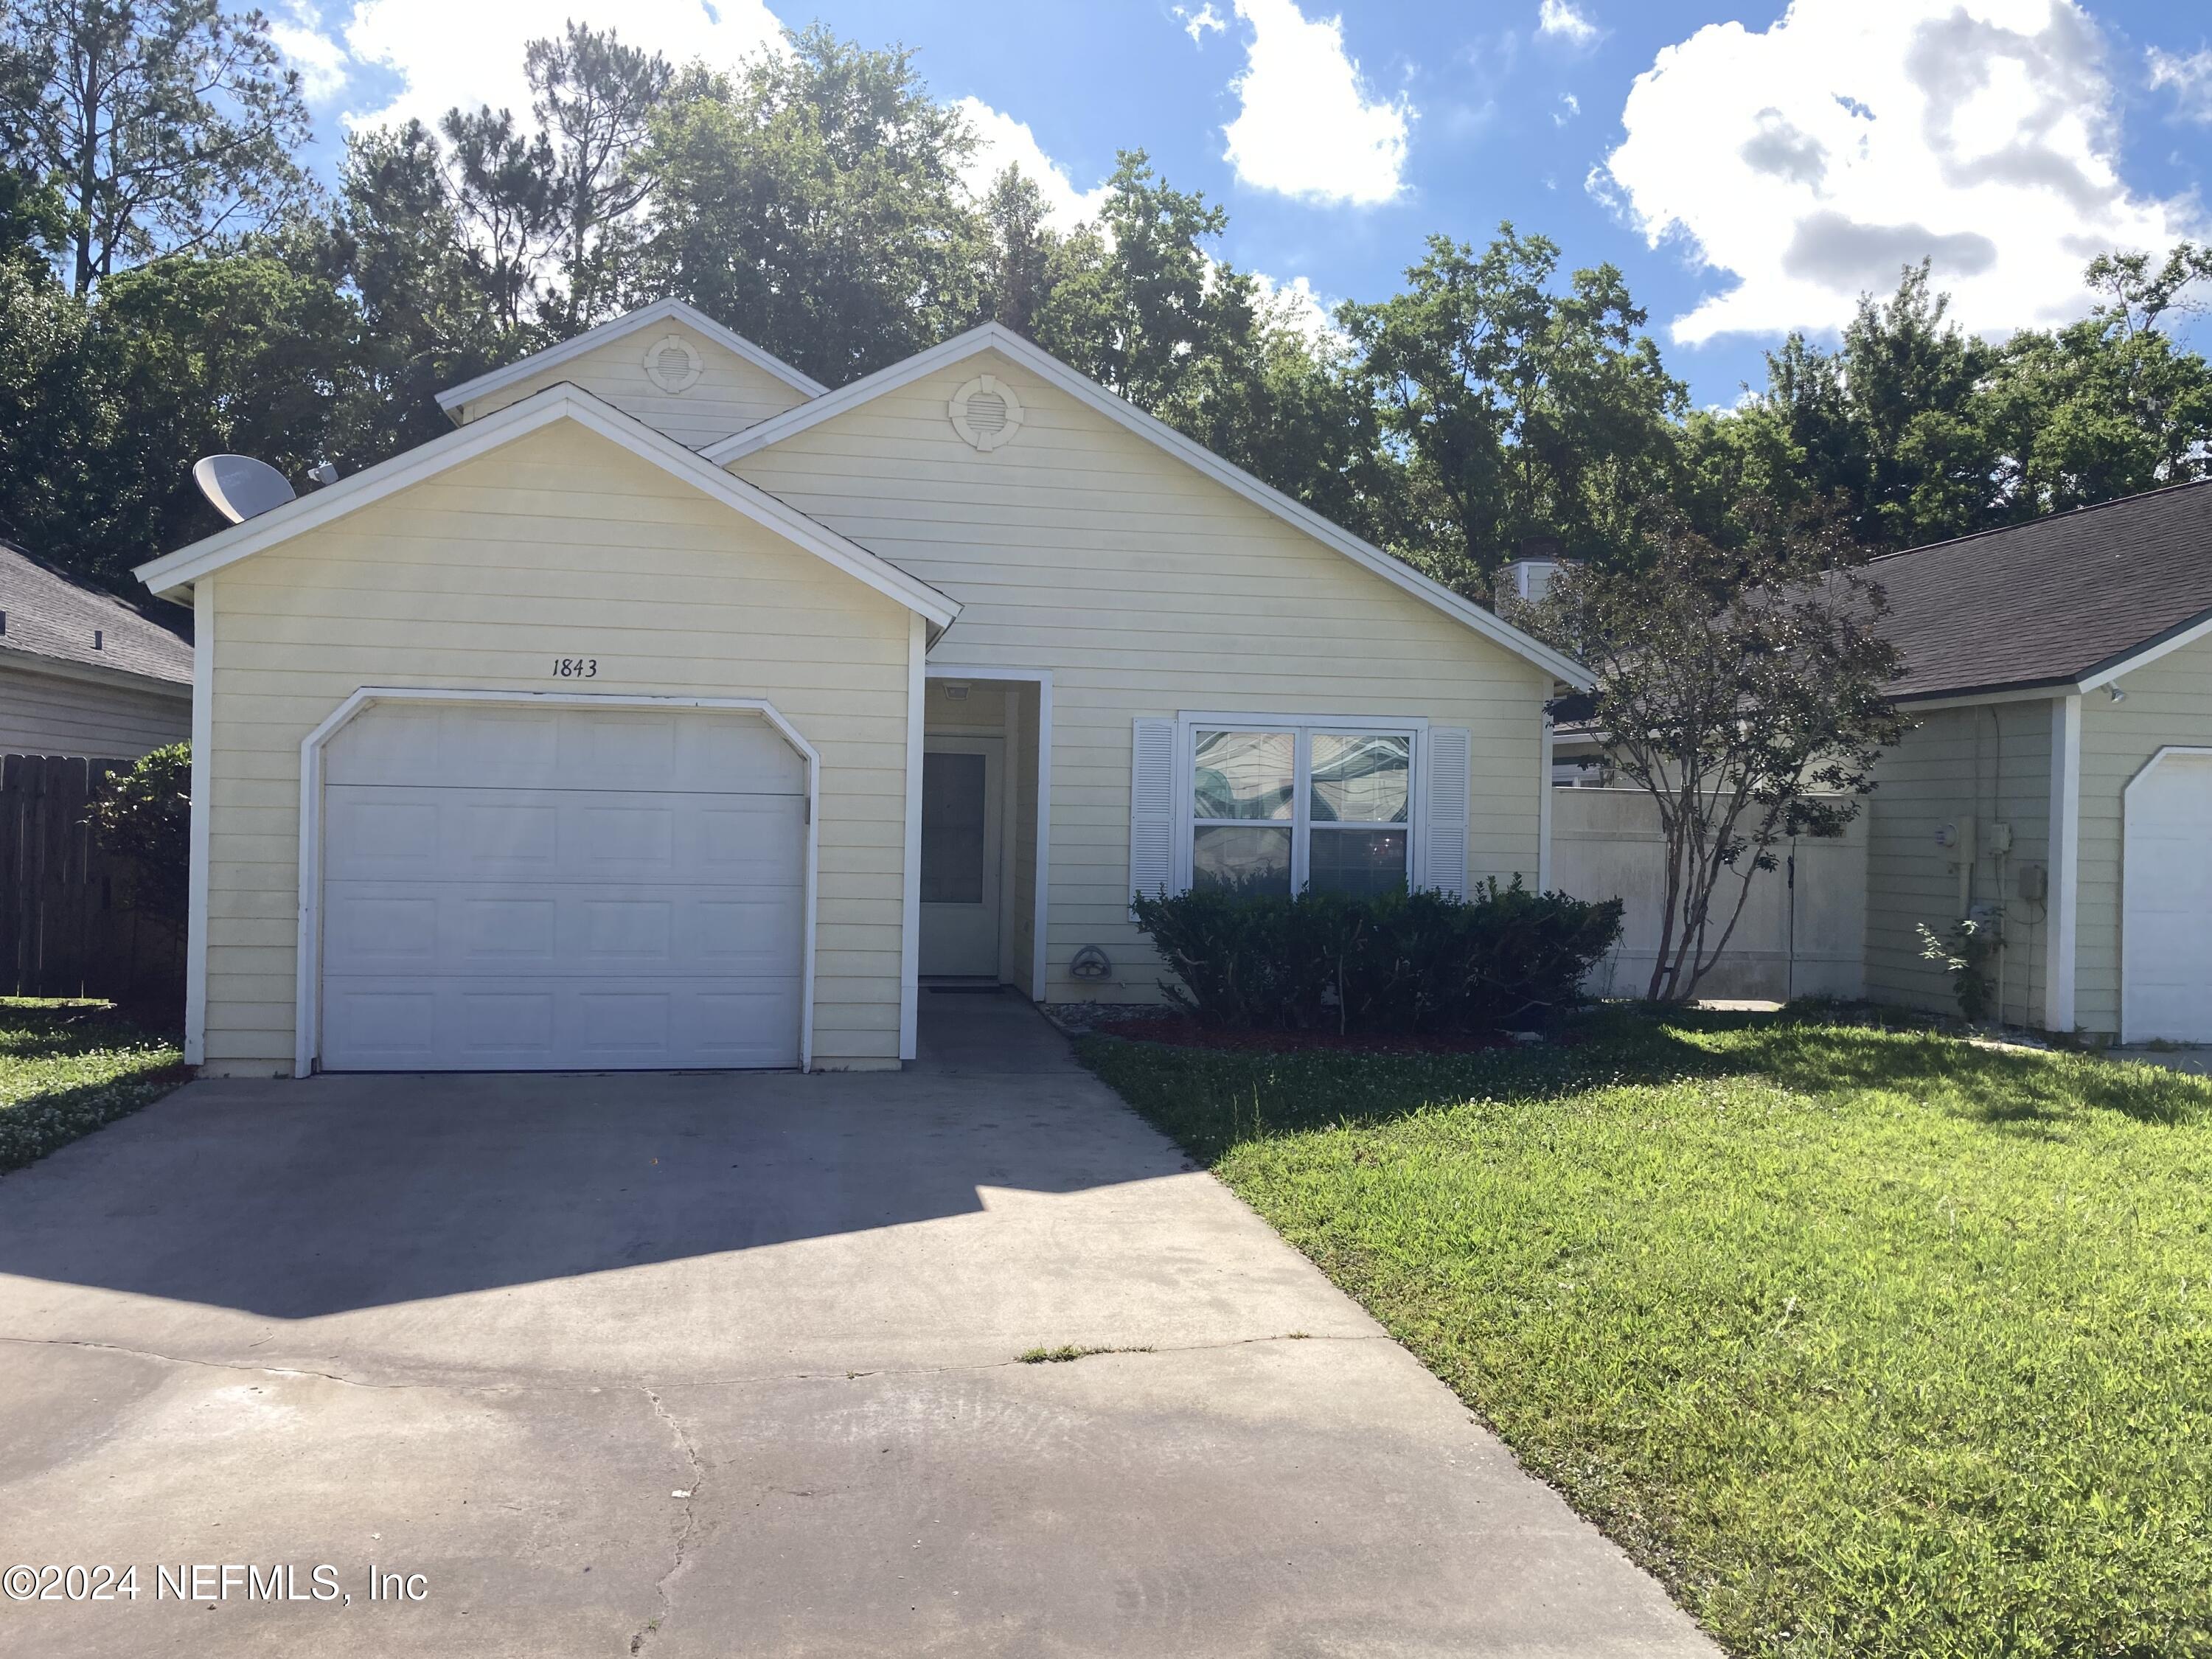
x: 677, y: 711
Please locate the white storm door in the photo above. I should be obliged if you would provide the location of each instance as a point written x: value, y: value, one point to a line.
x: 961, y: 844
x: 515, y: 889
x: 2166, y: 928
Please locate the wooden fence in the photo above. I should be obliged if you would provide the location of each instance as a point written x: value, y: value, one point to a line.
x: 66, y: 929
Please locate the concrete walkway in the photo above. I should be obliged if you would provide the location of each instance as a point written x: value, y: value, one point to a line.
x: 679, y: 1365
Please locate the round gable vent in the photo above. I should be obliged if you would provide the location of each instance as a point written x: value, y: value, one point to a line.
x: 673, y: 364
x: 986, y: 412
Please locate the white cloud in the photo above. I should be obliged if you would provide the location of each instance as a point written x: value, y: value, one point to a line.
x: 320, y: 60
x: 1308, y: 127
x: 467, y: 53
x: 2190, y: 77
x: 1298, y: 306
x: 1200, y: 23
x: 1814, y: 159
x: 1560, y: 19
x: 1570, y: 107
x: 1005, y: 143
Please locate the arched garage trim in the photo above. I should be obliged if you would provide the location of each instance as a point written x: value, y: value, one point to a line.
x: 308, y: 1012
x: 2130, y: 873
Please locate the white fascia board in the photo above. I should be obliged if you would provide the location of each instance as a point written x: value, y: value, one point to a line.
x: 661, y: 314
x: 994, y: 337
x: 2150, y: 653
x: 177, y: 571
x: 1915, y: 705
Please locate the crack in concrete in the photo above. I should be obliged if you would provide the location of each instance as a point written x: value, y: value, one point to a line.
x: 514, y: 1385
x: 690, y: 1496
x: 254, y: 1370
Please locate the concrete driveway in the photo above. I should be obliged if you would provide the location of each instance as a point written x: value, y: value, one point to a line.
x: 685, y: 1365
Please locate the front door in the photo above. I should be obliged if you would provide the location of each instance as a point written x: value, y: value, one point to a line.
x: 961, y: 846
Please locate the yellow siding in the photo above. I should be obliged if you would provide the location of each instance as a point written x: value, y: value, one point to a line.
x: 1985, y: 765
x: 2169, y: 704
x: 730, y: 395
x: 44, y: 713
x: 558, y: 544
x: 1147, y: 588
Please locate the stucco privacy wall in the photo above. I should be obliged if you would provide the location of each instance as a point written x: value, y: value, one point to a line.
x: 2169, y: 702
x: 730, y: 395
x: 1146, y: 589
x: 47, y: 713
x: 560, y: 543
x: 1986, y: 764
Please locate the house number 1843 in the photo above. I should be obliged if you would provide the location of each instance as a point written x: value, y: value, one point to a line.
x: 575, y: 668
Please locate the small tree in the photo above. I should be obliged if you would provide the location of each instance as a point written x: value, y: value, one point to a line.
x: 146, y: 815
x: 1743, y: 690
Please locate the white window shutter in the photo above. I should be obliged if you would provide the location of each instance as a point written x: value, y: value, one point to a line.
x: 1444, y: 863
x: 1151, y: 807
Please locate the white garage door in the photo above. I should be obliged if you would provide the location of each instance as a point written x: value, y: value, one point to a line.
x: 515, y: 889
x: 2165, y: 931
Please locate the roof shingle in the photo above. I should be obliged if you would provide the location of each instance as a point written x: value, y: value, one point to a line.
x: 48, y: 615
x: 2050, y: 601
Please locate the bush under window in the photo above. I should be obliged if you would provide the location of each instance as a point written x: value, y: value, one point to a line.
x: 1505, y: 959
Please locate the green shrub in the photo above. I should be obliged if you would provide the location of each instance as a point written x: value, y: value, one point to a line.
x: 1404, y: 962
x: 146, y: 815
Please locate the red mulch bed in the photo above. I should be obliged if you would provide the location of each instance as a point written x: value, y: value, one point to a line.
x: 1179, y: 1032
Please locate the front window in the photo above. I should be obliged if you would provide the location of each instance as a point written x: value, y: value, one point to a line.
x: 1296, y: 808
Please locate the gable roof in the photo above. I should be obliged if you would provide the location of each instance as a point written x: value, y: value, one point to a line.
x: 175, y: 572
x: 2070, y: 601
x: 661, y: 314
x: 994, y: 337
x: 48, y: 614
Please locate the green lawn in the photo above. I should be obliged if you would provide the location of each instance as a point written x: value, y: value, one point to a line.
x: 68, y: 1067
x: 1866, y: 1342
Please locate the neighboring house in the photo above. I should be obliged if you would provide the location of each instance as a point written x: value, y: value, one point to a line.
x: 674, y: 711
x: 81, y: 672
x: 2057, y: 779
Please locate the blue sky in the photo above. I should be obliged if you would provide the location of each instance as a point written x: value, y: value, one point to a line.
x: 1750, y: 166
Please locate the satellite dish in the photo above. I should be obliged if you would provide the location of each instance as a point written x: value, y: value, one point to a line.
x: 240, y: 487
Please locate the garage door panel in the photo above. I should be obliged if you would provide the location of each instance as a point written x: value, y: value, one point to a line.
x: 381, y: 832
x: 562, y: 931
x: 483, y: 836
x: 2166, y: 928
x: 455, y: 1024
x: 510, y: 932
x: 486, y: 745
x: 562, y: 890
x: 392, y: 932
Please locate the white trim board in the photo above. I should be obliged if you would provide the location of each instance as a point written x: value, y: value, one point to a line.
x: 2149, y: 654
x: 1043, y: 679
x: 994, y: 336
x: 917, y: 655
x: 175, y: 572
x: 203, y: 783
x: 659, y: 314
x: 307, y: 1014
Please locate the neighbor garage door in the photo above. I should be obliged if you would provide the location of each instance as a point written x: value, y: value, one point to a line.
x: 517, y: 889
x: 2165, y: 927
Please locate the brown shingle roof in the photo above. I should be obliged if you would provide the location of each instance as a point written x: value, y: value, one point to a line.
x: 2052, y: 601
x: 50, y: 615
